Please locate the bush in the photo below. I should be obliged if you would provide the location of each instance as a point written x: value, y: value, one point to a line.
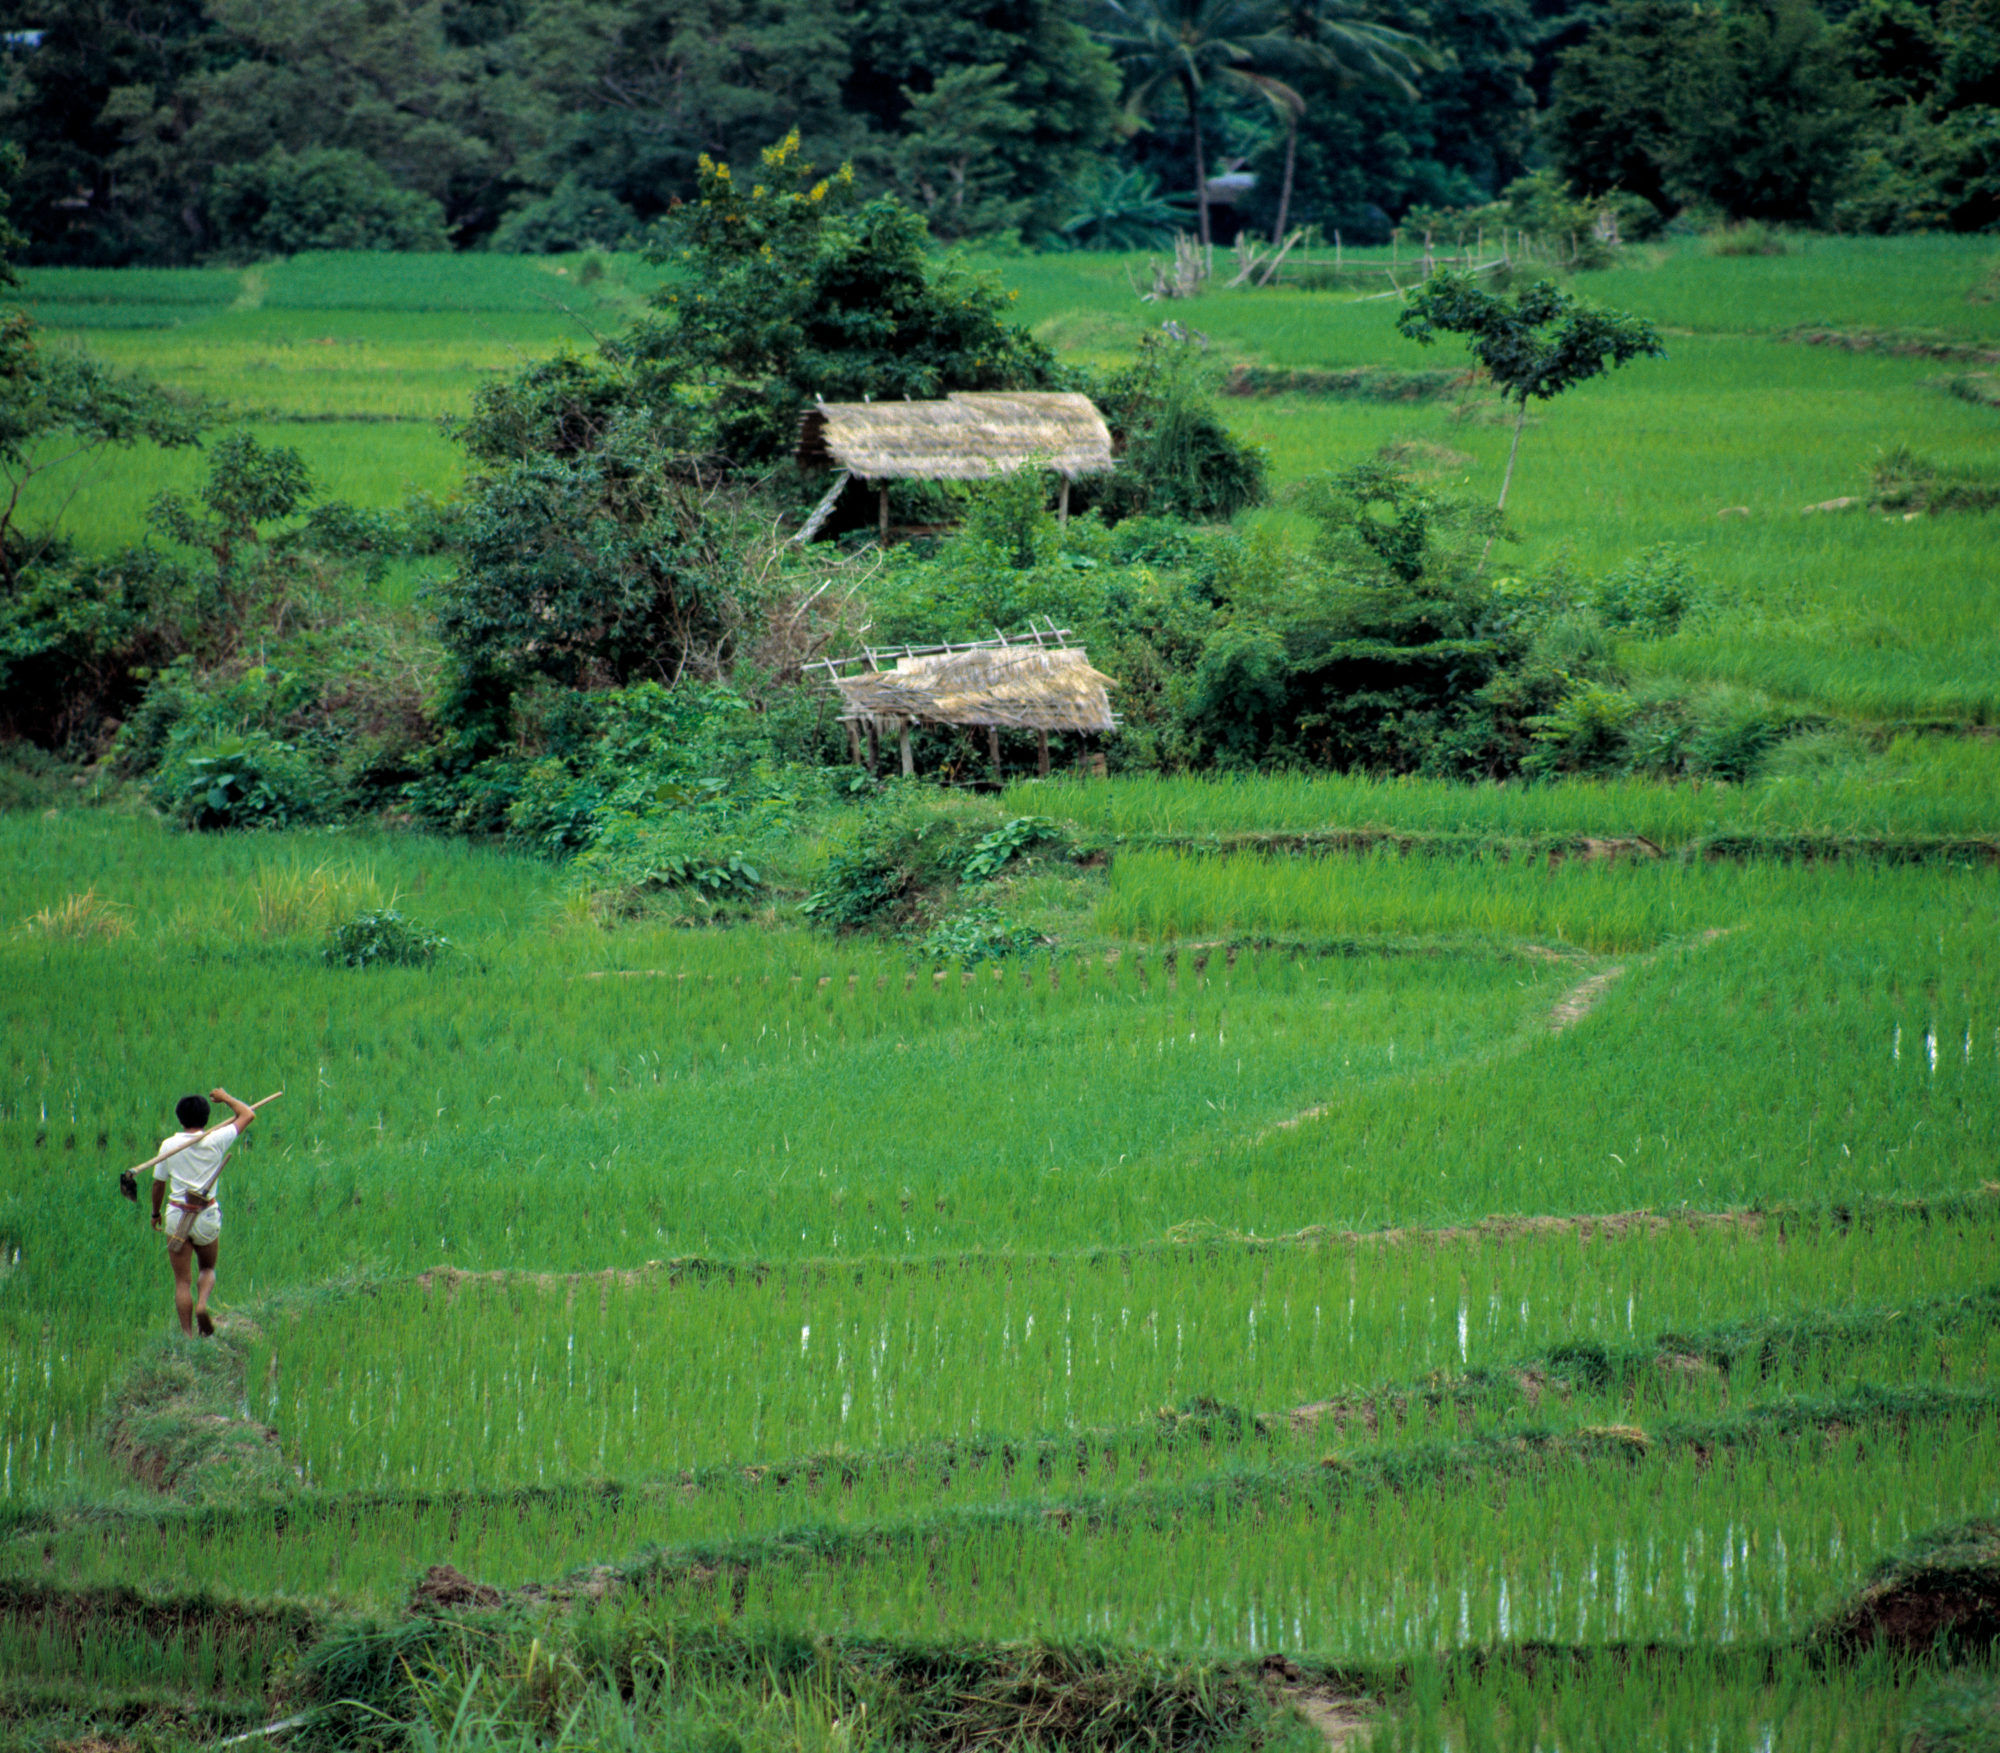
x: 572, y: 216
x: 879, y: 866
x: 29, y: 778
x: 679, y: 856
x: 246, y: 781
x: 325, y: 198
x: 1653, y: 594
x: 1179, y: 460
x: 1584, y: 734
x: 383, y: 938
x: 979, y: 934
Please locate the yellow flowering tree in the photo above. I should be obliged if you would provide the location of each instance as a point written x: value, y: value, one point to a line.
x: 787, y: 285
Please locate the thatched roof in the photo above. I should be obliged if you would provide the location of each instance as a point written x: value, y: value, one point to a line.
x: 1018, y: 687
x: 965, y: 437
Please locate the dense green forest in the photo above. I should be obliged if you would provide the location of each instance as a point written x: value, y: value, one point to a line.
x: 179, y: 131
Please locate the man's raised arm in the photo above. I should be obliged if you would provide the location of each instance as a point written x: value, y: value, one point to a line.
x: 242, y: 1110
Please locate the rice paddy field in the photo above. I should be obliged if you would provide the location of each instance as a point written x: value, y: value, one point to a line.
x: 1499, y: 1266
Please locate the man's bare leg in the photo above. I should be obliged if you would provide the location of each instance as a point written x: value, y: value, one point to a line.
x: 205, y: 1255
x: 182, y: 1257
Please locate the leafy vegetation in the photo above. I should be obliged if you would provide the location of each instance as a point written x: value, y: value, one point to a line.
x: 384, y: 939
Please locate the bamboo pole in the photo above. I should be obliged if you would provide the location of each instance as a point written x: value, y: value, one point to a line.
x: 155, y: 1161
x: 909, y: 760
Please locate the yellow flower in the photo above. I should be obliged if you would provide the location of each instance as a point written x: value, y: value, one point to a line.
x: 818, y: 191
x: 756, y: 191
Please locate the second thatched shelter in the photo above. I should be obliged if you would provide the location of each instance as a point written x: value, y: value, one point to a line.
x: 1039, y: 683
x: 967, y: 436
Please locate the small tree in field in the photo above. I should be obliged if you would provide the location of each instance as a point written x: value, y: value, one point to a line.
x: 1534, y: 346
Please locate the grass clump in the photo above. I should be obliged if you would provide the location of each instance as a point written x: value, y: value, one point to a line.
x: 86, y: 914
x: 383, y: 938
x: 1908, y: 482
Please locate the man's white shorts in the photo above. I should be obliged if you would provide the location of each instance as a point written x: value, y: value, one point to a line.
x: 206, y: 1227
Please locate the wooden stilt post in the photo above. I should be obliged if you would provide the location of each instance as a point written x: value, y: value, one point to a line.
x: 993, y: 750
x: 874, y: 750
x: 909, y: 760
x: 854, y: 741
x: 1042, y: 753
x: 882, y: 516
x: 1062, y: 517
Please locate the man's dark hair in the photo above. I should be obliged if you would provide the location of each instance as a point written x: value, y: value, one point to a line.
x: 192, y: 1112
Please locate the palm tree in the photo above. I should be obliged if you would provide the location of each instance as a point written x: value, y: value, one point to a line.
x: 1188, y: 44
x: 1327, y: 37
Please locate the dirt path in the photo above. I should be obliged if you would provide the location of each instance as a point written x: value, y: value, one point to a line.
x: 1341, y: 1721
x: 1578, y: 1002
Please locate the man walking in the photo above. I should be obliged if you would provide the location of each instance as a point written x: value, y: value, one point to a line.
x: 192, y: 1167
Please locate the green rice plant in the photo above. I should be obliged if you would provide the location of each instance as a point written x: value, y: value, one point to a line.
x: 1914, y: 787
x: 1744, y: 1545
x: 1676, y: 1700
x: 653, y: 1380
x: 435, y: 1118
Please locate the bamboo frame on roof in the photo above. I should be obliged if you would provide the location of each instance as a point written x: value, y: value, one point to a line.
x: 1039, y: 683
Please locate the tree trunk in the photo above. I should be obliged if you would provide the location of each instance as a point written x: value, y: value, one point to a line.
x: 1506, y: 481
x: 1285, y: 191
x: 1200, y: 163
x: 1513, y: 451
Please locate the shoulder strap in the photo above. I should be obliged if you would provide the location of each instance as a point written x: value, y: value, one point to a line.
x: 215, y: 1174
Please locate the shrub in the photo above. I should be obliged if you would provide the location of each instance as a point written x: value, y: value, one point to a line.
x: 246, y: 781
x: 992, y: 852
x: 383, y: 938
x: 979, y: 934
x: 678, y: 855
x: 1584, y: 734
x: 325, y: 198
x: 1653, y: 594
x: 1179, y: 459
x: 572, y: 216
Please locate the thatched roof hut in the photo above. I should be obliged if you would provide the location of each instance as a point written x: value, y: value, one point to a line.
x: 1041, y: 683
x: 1011, y: 687
x: 965, y: 437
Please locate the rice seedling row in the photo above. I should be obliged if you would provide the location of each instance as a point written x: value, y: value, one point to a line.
x: 1929, y: 785
x: 483, y: 1384
x: 1753, y: 1545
